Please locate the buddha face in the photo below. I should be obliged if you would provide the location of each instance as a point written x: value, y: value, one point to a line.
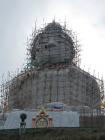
x: 54, y: 48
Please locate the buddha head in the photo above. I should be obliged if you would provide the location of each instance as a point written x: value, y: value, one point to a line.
x: 53, y: 45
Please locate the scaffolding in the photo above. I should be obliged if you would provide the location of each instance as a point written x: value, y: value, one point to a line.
x: 52, y: 74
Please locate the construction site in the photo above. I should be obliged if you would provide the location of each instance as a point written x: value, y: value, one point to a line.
x: 53, y: 82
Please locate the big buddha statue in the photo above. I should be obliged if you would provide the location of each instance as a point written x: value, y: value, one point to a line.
x: 53, y: 75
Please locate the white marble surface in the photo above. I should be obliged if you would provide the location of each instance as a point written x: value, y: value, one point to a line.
x: 60, y: 119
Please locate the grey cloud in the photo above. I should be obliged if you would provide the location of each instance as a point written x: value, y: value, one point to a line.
x: 18, y: 16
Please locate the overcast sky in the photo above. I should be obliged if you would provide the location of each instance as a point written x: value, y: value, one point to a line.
x: 85, y: 17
